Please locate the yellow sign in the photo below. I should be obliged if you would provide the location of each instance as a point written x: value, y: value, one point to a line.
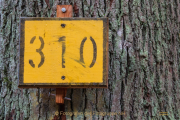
x: 63, y: 52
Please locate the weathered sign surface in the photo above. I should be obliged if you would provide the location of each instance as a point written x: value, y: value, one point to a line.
x: 63, y: 52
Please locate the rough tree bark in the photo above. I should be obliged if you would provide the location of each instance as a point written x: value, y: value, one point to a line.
x: 144, y: 65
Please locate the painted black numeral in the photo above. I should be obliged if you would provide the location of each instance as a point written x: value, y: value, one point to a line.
x: 39, y: 51
x: 62, y: 39
x: 94, y: 51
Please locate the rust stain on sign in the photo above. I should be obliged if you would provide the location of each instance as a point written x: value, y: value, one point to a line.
x: 63, y: 52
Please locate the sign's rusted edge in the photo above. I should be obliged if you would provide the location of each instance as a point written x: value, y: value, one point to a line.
x: 104, y: 84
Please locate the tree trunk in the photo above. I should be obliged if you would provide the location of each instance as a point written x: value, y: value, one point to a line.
x: 144, y: 65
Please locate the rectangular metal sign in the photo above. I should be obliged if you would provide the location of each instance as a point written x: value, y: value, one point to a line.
x: 63, y: 52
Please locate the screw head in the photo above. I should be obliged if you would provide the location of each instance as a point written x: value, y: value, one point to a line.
x: 63, y: 25
x: 63, y: 77
x: 63, y: 10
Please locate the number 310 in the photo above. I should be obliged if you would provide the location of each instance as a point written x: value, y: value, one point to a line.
x: 62, y: 39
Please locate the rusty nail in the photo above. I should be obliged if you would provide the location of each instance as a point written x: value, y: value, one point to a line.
x: 67, y: 98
